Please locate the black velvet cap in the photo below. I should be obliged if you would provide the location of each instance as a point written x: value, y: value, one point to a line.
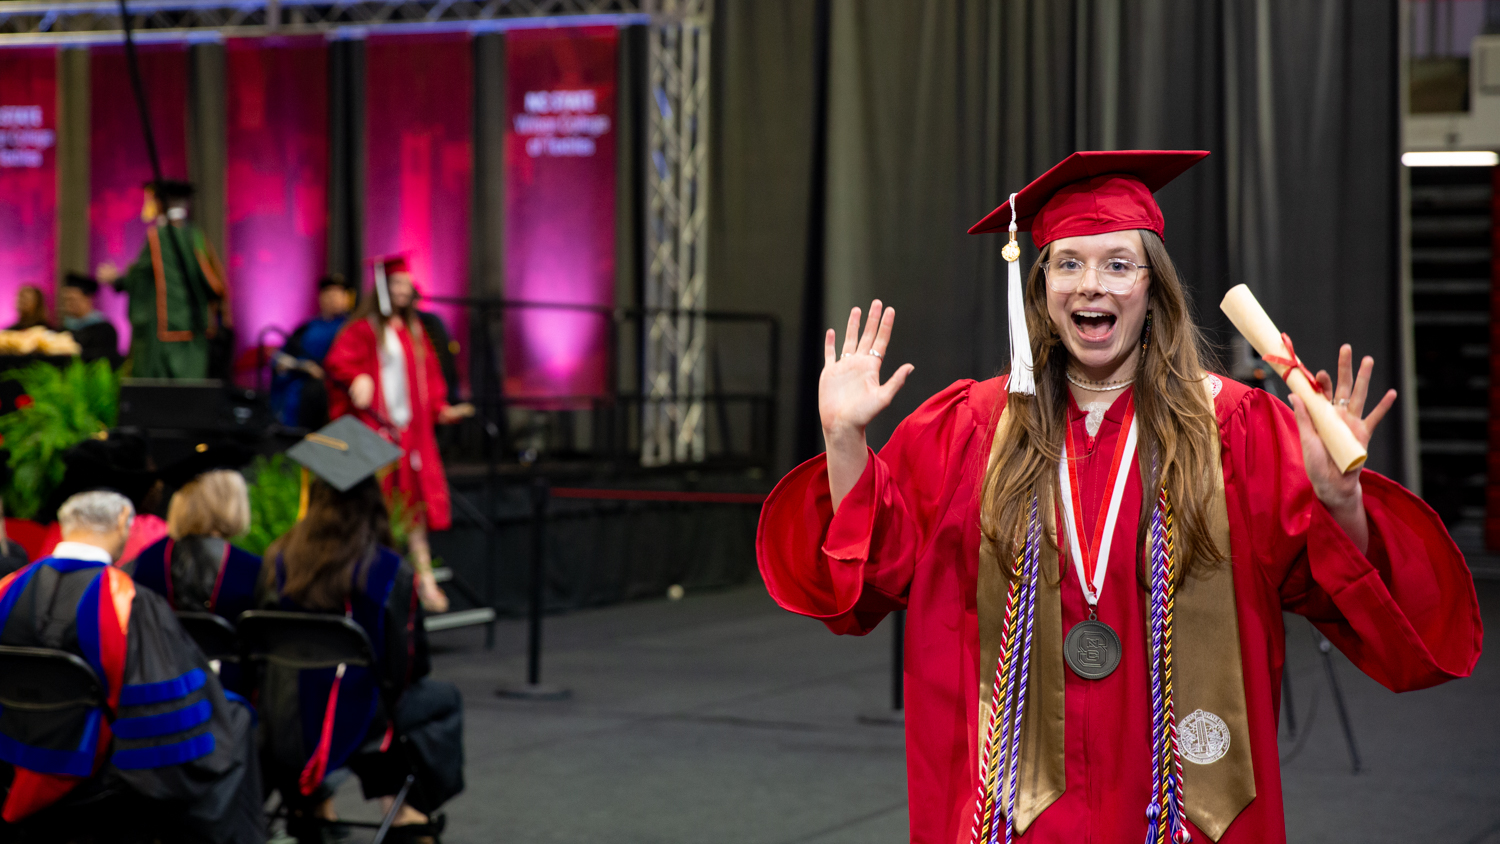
x: 344, y: 452
x: 206, y: 457
x: 87, y: 283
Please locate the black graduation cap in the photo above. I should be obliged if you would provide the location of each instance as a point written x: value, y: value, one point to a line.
x: 170, y: 190
x: 334, y: 280
x: 86, y: 283
x: 344, y: 452
x: 116, y: 460
x: 206, y: 457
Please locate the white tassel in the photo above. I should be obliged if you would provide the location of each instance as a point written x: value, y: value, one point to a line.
x: 1021, y: 378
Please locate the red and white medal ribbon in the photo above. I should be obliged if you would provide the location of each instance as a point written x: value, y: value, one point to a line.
x: 1091, y: 566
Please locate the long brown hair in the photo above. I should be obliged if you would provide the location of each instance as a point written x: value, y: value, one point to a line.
x: 1176, y: 420
x: 319, y: 553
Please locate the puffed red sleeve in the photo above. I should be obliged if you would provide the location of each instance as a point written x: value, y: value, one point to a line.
x: 850, y: 569
x: 352, y: 354
x: 1405, y: 611
x: 437, y: 385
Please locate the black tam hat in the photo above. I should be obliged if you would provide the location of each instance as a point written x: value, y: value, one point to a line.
x: 344, y: 452
x: 115, y: 460
x: 170, y: 190
x: 206, y: 457
x: 85, y: 283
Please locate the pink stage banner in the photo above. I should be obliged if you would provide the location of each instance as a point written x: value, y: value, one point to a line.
x: 118, y: 162
x: 28, y: 174
x: 559, y: 209
x: 276, y: 184
x: 419, y: 162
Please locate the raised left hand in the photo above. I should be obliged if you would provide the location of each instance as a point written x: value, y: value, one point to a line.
x: 454, y: 412
x: 1340, y: 491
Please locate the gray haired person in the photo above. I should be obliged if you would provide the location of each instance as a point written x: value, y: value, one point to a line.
x: 174, y: 752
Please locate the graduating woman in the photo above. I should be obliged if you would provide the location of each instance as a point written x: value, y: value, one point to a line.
x: 337, y: 559
x: 383, y: 370
x: 1111, y: 507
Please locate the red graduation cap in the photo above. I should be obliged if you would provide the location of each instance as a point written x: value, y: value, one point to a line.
x: 1094, y: 193
x: 1087, y: 193
x: 395, y: 264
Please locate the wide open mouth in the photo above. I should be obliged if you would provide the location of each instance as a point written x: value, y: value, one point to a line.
x: 1094, y: 325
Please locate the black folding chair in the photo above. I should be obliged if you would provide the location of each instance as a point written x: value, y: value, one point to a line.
x: 215, y: 636
x: 44, y: 693
x: 302, y: 641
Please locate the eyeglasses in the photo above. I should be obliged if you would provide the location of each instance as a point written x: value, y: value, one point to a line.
x: 1116, y: 275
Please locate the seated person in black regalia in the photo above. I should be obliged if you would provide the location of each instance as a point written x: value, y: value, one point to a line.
x: 337, y: 559
x: 194, y: 566
x: 211, y: 505
x: 95, y: 334
x: 175, y: 752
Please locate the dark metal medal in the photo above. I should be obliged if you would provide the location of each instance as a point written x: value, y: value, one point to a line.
x: 1092, y: 649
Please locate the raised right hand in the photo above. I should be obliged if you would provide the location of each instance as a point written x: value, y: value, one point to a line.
x: 850, y: 394
x: 362, y: 391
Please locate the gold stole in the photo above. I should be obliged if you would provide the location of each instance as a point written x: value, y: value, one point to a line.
x: 1209, y: 677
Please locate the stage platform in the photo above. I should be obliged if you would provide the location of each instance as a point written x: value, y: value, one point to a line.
x: 610, y: 536
x: 722, y: 718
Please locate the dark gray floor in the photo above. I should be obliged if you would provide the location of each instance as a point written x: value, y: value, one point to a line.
x: 721, y: 718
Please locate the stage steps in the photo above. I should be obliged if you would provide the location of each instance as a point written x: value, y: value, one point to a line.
x: 1451, y: 255
x: 454, y: 619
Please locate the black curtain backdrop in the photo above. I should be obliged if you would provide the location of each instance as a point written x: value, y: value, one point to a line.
x: 937, y: 110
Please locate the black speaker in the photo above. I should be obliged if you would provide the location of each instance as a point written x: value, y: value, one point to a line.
x: 168, y: 407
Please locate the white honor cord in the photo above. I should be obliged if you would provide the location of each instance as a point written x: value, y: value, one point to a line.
x: 1091, y: 590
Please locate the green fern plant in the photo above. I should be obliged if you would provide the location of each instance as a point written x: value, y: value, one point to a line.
x: 61, y: 408
x: 275, y: 486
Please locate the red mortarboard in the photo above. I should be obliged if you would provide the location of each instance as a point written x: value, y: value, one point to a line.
x: 395, y: 264
x: 1094, y: 193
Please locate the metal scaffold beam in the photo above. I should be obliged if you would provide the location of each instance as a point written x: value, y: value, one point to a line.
x: 98, y: 21
x: 677, y: 235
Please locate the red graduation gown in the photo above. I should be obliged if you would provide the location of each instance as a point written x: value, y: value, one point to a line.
x: 419, y: 474
x: 908, y: 536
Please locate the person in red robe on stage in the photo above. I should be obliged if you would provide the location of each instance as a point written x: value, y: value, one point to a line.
x: 1111, y: 507
x: 383, y: 370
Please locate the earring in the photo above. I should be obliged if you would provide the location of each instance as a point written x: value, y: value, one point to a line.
x: 1146, y: 334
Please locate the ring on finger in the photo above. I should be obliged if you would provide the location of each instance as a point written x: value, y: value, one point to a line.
x: 1344, y: 402
x: 877, y: 355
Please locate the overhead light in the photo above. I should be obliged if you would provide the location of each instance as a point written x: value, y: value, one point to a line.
x: 1451, y: 158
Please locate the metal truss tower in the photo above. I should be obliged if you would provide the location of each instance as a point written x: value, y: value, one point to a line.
x: 676, y: 280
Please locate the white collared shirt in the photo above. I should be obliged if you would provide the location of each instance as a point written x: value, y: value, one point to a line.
x: 82, y: 551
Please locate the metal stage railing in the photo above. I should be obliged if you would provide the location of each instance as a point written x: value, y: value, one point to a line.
x: 612, y: 427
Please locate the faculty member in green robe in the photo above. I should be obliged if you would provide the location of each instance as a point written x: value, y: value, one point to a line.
x: 179, y: 300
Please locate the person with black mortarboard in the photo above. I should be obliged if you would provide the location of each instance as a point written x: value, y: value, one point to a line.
x: 195, y: 566
x: 116, y: 460
x: 337, y: 559
x: 93, y: 331
x: 297, y: 393
x: 179, y: 299
x: 1094, y: 550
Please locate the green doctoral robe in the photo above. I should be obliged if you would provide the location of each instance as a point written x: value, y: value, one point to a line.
x: 173, y: 286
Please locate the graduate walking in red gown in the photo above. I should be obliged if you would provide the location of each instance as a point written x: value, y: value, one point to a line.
x: 1095, y: 550
x: 383, y: 370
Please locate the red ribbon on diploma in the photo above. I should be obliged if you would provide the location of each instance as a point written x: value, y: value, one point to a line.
x: 1294, y: 363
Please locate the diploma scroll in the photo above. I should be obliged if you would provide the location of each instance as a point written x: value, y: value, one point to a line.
x: 1250, y: 318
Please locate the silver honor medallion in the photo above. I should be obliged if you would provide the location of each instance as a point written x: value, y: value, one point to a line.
x: 1092, y: 649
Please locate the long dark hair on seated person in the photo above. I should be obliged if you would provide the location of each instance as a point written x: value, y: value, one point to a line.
x: 1173, y: 409
x: 319, y: 553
